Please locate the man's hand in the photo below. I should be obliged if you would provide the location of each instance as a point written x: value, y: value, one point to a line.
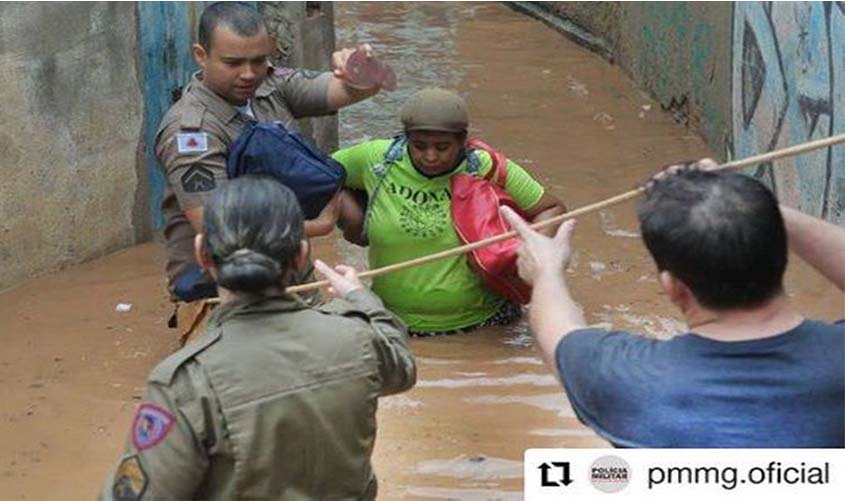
x: 539, y: 254
x: 340, y: 58
x: 342, y: 89
x: 553, y: 314
x: 702, y: 164
x: 344, y: 279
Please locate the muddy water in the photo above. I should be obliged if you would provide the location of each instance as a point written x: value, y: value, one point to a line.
x: 587, y: 133
x: 72, y: 368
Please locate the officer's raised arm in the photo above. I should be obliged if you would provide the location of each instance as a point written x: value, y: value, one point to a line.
x: 397, y: 366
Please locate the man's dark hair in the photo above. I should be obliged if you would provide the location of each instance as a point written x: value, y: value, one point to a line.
x: 721, y: 234
x: 241, y: 18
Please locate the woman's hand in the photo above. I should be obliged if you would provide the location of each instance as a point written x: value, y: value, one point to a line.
x: 325, y: 221
x: 344, y: 279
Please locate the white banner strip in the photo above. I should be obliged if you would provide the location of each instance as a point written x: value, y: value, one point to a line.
x: 683, y: 474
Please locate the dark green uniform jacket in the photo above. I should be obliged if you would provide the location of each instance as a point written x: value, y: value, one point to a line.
x: 277, y: 400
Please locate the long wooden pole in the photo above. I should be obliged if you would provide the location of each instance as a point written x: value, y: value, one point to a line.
x: 733, y: 165
x: 736, y: 164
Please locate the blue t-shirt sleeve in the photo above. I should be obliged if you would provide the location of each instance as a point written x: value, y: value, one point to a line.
x: 602, y: 376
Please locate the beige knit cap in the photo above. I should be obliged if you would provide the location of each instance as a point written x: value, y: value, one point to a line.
x: 436, y: 110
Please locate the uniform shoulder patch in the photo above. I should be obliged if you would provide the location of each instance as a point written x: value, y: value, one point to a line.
x: 191, y: 142
x: 198, y: 179
x: 151, y: 426
x: 130, y: 480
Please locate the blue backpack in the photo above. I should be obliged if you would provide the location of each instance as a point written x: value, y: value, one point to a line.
x: 268, y: 148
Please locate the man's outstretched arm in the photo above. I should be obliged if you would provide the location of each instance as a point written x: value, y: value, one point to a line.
x: 819, y: 243
x: 542, y: 261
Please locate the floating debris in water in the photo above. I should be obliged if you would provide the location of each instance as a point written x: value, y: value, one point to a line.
x: 520, y: 379
x: 519, y: 361
x: 577, y: 87
x: 554, y: 402
x: 563, y: 432
x: 471, y: 467
x: 462, y: 494
x: 398, y: 402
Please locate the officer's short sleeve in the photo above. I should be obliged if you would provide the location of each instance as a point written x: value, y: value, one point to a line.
x: 305, y: 92
x: 164, y: 457
x: 194, y: 162
x: 397, y: 366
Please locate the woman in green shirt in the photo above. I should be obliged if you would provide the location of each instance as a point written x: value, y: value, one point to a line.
x: 408, y: 215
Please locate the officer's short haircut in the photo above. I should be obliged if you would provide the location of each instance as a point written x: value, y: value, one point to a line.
x: 721, y: 234
x: 242, y: 19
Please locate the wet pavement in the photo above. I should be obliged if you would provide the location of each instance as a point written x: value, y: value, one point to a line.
x: 72, y: 368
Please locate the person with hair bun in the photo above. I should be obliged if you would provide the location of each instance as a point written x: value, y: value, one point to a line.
x: 277, y: 399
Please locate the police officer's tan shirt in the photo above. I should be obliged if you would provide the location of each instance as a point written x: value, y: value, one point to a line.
x: 276, y: 401
x: 194, y: 137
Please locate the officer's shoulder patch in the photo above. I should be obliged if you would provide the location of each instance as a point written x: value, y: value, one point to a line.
x: 163, y: 373
x: 130, y: 480
x: 198, y: 179
x: 151, y: 426
x: 191, y: 142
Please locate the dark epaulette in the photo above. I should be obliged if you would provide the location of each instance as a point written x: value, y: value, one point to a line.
x: 163, y: 373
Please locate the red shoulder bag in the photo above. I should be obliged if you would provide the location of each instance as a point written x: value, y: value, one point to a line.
x: 475, y: 215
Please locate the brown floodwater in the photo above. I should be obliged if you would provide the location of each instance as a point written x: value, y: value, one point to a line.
x: 72, y: 368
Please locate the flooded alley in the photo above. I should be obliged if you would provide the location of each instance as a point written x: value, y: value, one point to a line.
x: 72, y: 367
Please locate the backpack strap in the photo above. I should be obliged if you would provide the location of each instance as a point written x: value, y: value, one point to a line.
x: 393, y: 153
x: 498, y: 172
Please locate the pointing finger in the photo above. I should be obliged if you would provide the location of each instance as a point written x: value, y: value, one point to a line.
x: 325, y: 269
x: 564, y: 231
x: 516, y: 222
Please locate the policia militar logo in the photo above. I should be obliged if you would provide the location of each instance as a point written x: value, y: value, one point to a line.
x: 610, y: 474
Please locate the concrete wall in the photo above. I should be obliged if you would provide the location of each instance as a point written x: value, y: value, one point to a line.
x: 304, y: 33
x: 679, y: 52
x: 84, y: 86
x: 749, y: 77
x: 69, y: 134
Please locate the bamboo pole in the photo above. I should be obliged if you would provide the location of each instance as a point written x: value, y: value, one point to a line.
x: 733, y: 165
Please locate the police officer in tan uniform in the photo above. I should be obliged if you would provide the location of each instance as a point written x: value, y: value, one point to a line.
x: 277, y: 399
x: 236, y: 84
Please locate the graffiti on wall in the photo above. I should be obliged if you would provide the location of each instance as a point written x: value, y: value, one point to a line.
x: 788, y: 88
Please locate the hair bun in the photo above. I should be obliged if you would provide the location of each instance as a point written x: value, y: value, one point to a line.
x: 248, y: 270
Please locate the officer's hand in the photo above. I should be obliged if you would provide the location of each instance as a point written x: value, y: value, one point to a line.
x: 344, y: 279
x: 340, y: 57
x: 702, y: 164
x: 539, y: 254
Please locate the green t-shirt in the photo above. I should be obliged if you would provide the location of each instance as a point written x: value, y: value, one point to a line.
x: 410, y: 217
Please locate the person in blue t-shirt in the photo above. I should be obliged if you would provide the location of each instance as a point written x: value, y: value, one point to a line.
x: 752, y: 372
